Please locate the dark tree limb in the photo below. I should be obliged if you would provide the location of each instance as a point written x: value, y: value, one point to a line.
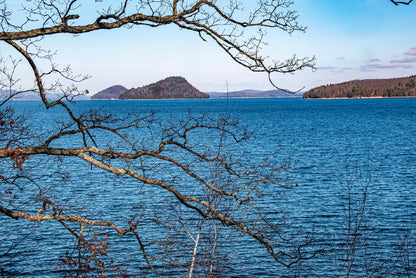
x: 123, y: 151
x: 401, y: 2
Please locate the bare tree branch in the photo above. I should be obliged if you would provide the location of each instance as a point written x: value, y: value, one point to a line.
x: 139, y: 147
x: 401, y: 2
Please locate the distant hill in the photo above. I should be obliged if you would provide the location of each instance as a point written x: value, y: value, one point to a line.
x: 253, y: 94
x: 394, y: 87
x: 35, y: 96
x: 112, y: 92
x: 169, y: 88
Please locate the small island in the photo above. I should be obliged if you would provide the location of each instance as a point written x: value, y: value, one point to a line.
x: 112, y: 92
x: 170, y: 88
x: 371, y: 88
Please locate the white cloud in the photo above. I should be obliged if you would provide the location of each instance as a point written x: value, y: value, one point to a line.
x: 404, y: 60
x: 412, y: 51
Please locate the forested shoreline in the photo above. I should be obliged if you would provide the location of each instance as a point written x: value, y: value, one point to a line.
x: 394, y: 87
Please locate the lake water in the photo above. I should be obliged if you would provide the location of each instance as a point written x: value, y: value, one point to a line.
x: 332, y: 143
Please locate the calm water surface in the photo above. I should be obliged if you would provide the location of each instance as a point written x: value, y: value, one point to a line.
x: 332, y: 143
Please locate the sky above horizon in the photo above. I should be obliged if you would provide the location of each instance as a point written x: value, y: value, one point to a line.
x: 351, y: 39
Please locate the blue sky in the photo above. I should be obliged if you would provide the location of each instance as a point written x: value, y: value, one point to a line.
x: 351, y: 39
x: 359, y: 39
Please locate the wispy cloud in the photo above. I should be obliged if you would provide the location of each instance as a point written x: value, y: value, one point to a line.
x: 374, y: 61
x: 372, y: 67
x: 411, y: 51
x: 404, y: 60
x: 328, y: 68
x: 335, y: 69
x: 400, y: 62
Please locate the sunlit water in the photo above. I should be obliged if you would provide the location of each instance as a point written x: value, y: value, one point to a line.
x: 331, y: 142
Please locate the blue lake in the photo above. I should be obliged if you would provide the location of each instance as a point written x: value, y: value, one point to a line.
x: 331, y: 143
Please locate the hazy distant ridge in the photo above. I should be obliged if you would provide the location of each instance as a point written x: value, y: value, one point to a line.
x: 254, y: 94
x: 35, y: 95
